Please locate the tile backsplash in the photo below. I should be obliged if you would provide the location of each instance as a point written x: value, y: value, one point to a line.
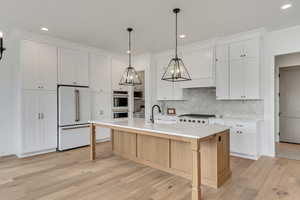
x: 203, y: 100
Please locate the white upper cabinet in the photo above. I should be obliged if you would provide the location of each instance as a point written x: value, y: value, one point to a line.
x: 252, y: 48
x: 237, y: 75
x: 245, y: 49
x: 222, y: 72
x: 236, y: 50
x: 222, y: 52
x: 245, y: 69
x: 38, y: 66
x: 166, y: 90
x: 200, y: 65
x: 252, y: 78
x: 118, y: 67
x: 100, y: 73
x: 73, y: 67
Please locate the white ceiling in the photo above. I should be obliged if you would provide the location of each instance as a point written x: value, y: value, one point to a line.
x: 103, y: 23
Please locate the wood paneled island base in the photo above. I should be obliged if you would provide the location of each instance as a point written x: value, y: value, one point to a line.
x: 202, y: 160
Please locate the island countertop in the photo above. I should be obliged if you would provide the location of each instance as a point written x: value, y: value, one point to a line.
x: 195, y: 131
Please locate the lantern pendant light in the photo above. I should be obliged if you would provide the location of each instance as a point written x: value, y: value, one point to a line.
x: 176, y: 71
x: 130, y: 77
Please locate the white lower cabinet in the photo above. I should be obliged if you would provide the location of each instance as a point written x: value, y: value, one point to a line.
x: 101, y: 104
x: 243, y: 137
x: 38, y: 132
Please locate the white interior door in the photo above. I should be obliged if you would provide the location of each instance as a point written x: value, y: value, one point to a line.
x: 289, y: 104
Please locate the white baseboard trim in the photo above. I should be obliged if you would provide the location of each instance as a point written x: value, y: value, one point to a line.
x: 24, y: 155
x: 103, y: 140
x: 251, y: 157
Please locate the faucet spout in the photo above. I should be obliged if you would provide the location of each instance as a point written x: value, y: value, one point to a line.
x: 152, y: 112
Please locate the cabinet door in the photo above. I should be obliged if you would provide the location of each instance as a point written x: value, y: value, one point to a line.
x: 73, y: 67
x: 236, y: 50
x: 100, y: 73
x: 31, y: 135
x: 101, y: 109
x: 252, y: 78
x: 222, y: 79
x: 67, y: 67
x: 29, y: 65
x: 236, y: 79
x: 222, y: 53
x: 118, y: 67
x: 82, y: 68
x: 199, y: 64
x: 48, y: 122
x: 251, y: 48
x: 47, y: 66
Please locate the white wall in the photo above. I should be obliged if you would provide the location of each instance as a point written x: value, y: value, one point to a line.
x: 144, y: 62
x: 6, y: 96
x: 279, y: 42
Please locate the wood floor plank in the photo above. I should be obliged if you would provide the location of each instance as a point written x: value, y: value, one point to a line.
x: 71, y: 175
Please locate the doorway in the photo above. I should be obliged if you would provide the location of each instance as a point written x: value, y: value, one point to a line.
x: 288, y: 107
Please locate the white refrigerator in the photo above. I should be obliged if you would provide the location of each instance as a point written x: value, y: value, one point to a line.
x: 74, y: 113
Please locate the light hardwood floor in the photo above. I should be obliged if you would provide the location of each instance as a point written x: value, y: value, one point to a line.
x: 288, y: 150
x: 72, y: 176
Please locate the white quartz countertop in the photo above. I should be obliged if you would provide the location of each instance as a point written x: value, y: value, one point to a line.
x: 196, y: 131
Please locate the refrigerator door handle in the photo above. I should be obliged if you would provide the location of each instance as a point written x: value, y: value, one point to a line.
x: 76, y: 105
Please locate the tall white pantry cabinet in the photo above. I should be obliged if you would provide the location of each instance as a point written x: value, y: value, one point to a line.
x: 38, y: 99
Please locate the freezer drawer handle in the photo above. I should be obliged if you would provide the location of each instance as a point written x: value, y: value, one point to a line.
x: 64, y: 129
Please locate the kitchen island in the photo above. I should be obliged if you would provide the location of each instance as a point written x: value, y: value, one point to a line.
x: 196, y: 152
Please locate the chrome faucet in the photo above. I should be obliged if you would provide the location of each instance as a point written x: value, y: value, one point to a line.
x: 152, y: 115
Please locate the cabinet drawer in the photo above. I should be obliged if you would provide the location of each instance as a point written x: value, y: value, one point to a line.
x: 72, y: 137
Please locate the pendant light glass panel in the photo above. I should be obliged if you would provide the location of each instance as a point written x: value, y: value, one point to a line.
x: 176, y: 71
x: 130, y: 77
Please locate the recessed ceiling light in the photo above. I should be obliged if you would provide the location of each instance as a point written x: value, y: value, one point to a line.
x: 182, y: 36
x: 44, y: 29
x: 286, y: 6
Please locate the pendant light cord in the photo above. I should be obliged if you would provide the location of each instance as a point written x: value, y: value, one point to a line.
x: 129, y: 30
x: 176, y: 56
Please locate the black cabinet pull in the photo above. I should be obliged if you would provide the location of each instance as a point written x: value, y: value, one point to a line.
x: 220, y: 138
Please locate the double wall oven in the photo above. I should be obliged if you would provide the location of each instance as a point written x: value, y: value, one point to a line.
x: 120, y: 104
